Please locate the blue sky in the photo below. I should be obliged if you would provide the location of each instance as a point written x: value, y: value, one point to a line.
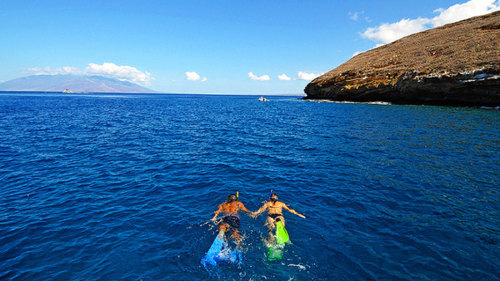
x: 232, y: 46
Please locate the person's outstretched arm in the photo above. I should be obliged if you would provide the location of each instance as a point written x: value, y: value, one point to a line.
x: 242, y: 207
x: 217, y: 213
x: 285, y: 206
x: 259, y: 211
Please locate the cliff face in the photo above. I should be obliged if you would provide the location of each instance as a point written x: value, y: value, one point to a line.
x: 456, y: 64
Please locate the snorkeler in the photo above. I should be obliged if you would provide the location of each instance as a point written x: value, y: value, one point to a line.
x: 274, y: 213
x: 231, y: 219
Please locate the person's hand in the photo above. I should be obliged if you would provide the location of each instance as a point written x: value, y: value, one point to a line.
x: 302, y: 216
x: 216, y: 221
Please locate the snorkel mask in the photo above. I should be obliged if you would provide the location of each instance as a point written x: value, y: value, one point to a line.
x: 273, y: 197
x: 232, y: 198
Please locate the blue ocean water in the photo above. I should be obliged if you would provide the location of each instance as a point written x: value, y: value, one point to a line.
x: 120, y: 187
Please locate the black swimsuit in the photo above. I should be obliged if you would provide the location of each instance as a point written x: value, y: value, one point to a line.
x: 232, y: 220
x: 274, y: 216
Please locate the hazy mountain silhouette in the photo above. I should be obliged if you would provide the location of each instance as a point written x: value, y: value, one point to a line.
x: 74, y: 83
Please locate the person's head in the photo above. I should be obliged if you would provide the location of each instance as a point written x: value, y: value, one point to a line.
x: 273, y: 197
x: 231, y: 198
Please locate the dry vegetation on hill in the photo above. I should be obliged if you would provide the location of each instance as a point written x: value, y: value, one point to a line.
x: 456, y: 64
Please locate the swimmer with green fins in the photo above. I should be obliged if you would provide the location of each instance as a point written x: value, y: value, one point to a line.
x: 274, y: 213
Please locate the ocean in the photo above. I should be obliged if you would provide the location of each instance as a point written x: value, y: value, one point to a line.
x: 122, y: 186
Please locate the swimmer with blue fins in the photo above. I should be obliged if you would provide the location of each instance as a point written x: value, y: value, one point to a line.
x: 230, y: 219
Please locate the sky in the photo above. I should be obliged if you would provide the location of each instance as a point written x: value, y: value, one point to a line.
x: 262, y: 47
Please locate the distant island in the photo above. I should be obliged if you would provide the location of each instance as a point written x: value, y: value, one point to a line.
x: 72, y: 84
x: 456, y: 64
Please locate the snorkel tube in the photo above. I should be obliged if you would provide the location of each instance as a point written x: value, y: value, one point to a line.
x: 273, y: 197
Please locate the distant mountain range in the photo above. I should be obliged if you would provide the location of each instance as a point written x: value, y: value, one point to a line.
x: 73, y: 83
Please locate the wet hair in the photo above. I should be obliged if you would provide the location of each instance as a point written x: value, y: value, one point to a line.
x: 273, y: 197
x: 231, y: 198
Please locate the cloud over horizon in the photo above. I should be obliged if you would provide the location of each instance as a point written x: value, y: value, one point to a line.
x: 284, y: 77
x: 307, y: 76
x: 192, y: 76
x: 124, y: 72
x: 259, y: 78
x: 65, y: 70
x: 110, y: 70
x: 389, y: 32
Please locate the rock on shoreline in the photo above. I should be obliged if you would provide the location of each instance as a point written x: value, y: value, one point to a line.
x: 456, y: 64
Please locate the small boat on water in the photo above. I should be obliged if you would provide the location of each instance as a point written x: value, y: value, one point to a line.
x: 67, y: 91
x: 263, y: 99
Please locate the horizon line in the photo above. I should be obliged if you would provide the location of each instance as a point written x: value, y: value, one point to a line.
x: 151, y: 93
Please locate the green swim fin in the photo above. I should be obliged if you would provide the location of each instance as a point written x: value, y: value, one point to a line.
x: 281, y: 233
x: 275, y: 252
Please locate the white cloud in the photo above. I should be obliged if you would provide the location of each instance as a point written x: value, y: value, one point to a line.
x: 111, y: 70
x: 259, y: 78
x: 121, y: 72
x: 70, y: 70
x: 65, y: 70
x: 307, y: 76
x: 353, y: 16
x: 389, y: 32
x: 284, y: 77
x: 463, y: 11
x: 192, y: 76
x: 358, y: 15
x: 356, y: 53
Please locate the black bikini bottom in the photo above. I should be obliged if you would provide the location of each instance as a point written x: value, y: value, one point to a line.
x: 274, y: 216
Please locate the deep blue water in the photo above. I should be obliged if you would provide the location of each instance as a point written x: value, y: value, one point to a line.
x: 119, y: 187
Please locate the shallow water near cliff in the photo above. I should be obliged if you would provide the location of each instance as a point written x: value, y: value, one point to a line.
x: 120, y: 187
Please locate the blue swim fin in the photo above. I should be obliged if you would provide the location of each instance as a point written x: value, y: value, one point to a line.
x: 215, y: 249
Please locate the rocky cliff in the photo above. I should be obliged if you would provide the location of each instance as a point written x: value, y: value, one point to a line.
x: 456, y: 64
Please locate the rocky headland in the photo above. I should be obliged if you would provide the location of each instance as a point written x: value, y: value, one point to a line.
x: 456, y: 64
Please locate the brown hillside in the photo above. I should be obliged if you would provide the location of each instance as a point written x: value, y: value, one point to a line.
x: 456, y: 64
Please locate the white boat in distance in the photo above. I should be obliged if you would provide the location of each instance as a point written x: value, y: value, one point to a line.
x: 263, y: 99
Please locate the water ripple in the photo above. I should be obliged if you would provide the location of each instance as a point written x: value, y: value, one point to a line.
x: 108, y: 187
